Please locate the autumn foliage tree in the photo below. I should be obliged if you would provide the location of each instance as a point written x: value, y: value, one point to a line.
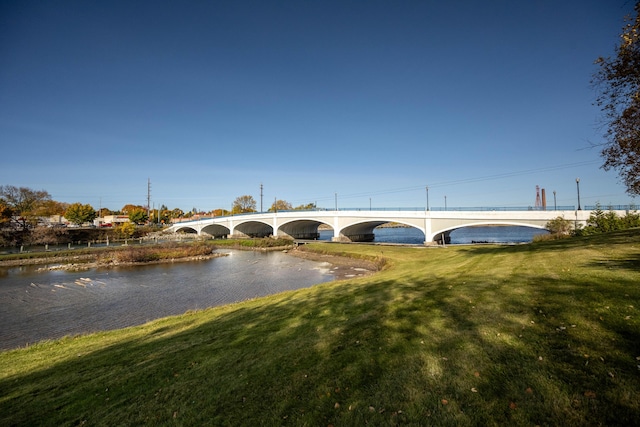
x: 5, y: 213
x: 618, y: 85
x: 244, y: 204
x: 127, y: 209
x: 24, y: 203
x: 280, y: 205
x: 138, y: 216
x: 307, y: 207
x: 78, y: 213
x: 125, y: 230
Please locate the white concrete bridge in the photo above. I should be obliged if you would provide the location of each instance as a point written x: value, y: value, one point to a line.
x: 358, y: 225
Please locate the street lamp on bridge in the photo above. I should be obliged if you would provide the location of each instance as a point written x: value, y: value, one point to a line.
x: 427, y: 197
x: 578, y: 186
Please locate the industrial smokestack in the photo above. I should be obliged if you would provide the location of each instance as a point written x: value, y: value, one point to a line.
x: 544, y: 200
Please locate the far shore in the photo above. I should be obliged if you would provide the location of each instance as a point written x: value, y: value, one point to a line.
x: 343, y: 267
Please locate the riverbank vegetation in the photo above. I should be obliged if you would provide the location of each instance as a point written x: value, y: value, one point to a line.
x: 162, y: 252
x: 265, y: 243
x: 539, y: 334
x: 132, y: 254
x: 600, y: 221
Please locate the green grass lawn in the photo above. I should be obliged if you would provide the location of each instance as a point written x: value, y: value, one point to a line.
x: 539, y: 334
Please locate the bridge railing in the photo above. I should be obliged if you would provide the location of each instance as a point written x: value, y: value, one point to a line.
x: 463, y: 209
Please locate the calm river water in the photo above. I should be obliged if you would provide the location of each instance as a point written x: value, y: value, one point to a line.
x: 46, y: 305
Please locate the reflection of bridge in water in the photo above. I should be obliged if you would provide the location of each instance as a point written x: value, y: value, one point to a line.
x: 358, y: 225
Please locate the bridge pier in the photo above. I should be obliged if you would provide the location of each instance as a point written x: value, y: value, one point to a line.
x: 443, y: 238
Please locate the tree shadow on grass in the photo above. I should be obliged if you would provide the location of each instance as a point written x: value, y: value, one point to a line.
x: 631, y: 263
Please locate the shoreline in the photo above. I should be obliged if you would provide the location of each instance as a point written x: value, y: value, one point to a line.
x: 342, y: 267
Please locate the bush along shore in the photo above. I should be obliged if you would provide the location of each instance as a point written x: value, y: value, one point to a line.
x: 546, y: 333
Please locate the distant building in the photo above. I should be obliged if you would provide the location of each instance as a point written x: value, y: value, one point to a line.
x: 110, y: 220
x: 53, y: 221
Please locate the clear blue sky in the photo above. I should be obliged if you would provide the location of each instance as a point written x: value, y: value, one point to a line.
x: 372, y: 100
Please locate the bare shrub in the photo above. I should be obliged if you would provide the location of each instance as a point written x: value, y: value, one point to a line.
x: 139, y: 254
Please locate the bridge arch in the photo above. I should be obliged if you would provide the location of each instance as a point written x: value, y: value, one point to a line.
x: 301, y: 229
x: 445, y: 233
x: 216, y: 230
x: 363, y: 231
x: 186, y: 229
x: 252, y: 229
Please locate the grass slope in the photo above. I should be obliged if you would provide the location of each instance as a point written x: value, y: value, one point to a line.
x: 539, y: 334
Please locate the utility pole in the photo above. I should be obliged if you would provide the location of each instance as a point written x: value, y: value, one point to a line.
x: 261, y: 197
x: 148, y: 196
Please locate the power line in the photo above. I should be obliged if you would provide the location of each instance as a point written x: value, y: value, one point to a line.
x: 465, y: 180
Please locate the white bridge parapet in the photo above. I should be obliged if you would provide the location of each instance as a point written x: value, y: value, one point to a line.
x: 358, y: 225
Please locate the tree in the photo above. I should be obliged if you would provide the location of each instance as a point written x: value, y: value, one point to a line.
x: 280, y: 205
x: 559, y: 226
x: 125, y: 230
x: 138, y: 216
x: 127, y: 209
x: 244, y: 204
x: 24, y: 203
x: 5, y: 213
x: 176, y: 213
x: 78, y: 213
x: 618, y: 84
x: 160, y: 215
x: 51, y: 207
x: 307, y: 207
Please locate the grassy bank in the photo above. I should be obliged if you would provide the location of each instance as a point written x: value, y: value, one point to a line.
x: 540, y: 334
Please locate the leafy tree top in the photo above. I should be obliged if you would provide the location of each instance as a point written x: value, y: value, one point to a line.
x: 244, y: 204
x: 618, y: 85
x: 78, y: 213
x: 280, y: 205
